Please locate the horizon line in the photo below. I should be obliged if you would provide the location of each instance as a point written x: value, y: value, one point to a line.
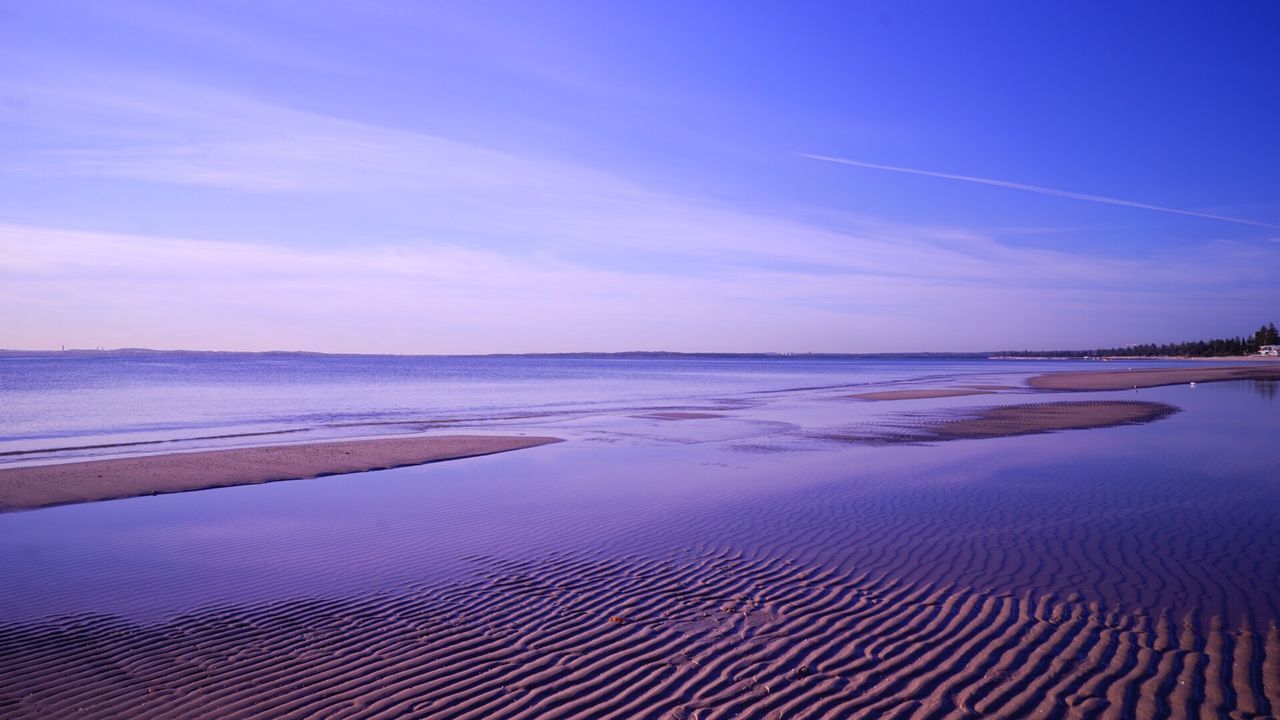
x: 571, y: 353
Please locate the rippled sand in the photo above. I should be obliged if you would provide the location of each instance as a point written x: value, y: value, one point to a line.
x: 707, y: 635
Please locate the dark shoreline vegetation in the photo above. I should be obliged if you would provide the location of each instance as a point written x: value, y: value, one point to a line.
x: 642, y: 355
x: 1218, y: 347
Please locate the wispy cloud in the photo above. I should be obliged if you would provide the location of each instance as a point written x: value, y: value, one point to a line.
x: 1052, y: 192
x: 145, y: 130
x: 61, y: 286
x: 500, y: 248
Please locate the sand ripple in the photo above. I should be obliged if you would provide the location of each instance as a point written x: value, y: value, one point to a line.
x: 695, y: 634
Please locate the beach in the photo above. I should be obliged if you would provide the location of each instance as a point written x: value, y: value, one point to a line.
x: 1011, y: 553
x: 921, y: 394
x: 25, y: 488
x: 639, y: 361
x: 1088, y: 380
x: 42, y: 485
x: 716, y: 636
x: 1025, y: 419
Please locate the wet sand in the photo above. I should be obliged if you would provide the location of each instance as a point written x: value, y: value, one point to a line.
x: 680, y: 416
x: 999, y: 421
x: 716, y: 635
x: 920, y: 394
x: 1150, y: 377
x: 43, y: 485
x: 1009, y: 420
x: 938, y: 611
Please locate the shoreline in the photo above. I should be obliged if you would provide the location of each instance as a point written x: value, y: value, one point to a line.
x: 918, y: 394
x: 1002, y: 421
x: 29, y: 488
x: 1032, y: 419
x: 1121, y: 358
x: 1101, y: 380
x: 36, y: 486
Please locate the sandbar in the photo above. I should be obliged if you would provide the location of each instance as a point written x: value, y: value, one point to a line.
x: 920, y: 394
x: 32, y: 487
x: 680, y: 416
x: 1007, y: 420
x: 1150, y: 377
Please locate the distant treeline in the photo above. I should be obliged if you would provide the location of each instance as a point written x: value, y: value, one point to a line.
x: 1218, y: 347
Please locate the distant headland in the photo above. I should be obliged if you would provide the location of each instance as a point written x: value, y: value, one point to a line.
x: 1265, y: 341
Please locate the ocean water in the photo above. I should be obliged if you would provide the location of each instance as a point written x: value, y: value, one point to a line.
x: 1178, y: 515
x: 59, y: 406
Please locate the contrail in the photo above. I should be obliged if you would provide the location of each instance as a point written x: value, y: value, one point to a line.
x: 1041, y: 190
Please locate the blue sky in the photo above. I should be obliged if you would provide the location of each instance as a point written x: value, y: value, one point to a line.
x: 490, y: 177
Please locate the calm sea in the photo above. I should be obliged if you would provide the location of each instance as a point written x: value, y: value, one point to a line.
x: 1177, y: 515
x: 90, y: 405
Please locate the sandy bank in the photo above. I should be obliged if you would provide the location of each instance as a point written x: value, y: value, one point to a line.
x: 680, y: 416
x: 920, y: 394
x: 1006, y: 420
x: 1148, y: 377
x: 32, y: 487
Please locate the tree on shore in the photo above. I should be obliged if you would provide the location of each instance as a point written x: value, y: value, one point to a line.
x: 1267, y: 335
x: 1218, y: 347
